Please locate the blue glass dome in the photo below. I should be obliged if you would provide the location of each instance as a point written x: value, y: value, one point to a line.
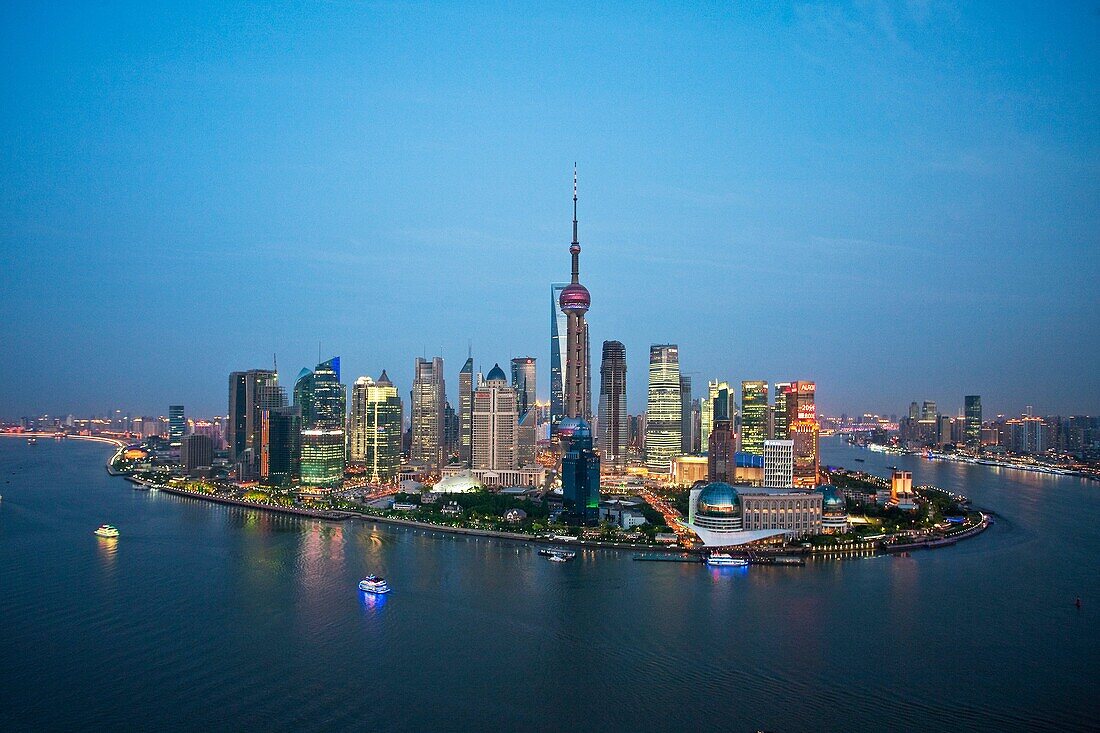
x: 831, y: 497
x: 496, y: 373
x: 718, y: 500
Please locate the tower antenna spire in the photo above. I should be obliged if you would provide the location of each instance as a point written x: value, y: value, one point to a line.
x: 575, y: 247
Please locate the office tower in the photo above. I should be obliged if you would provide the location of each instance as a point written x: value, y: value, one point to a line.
x: 322, y: 457
x: 429, y: 398
x: 901, y: 489
x: 717, y: 391
x: 177, y: 425
x: 376, y: 415
x: 928, y: 411
x: 527, y: 438
x: 244, y: 413
x: 465, y: 411
x: 802, y: 429
x: 450, y: 432
x: 779, y: 411
x: 580, y: 477
x: 722, y: 452
x: 754, y: 416
x: 280, y: 451
x: 196, y: 451
x: 914, y: 411
x: 559, y: 326
x: 320, y: 397
x: 612, y: 423
x: 685, y: 414
x: 973, y: 408
x: 779, y: 463
x: 574, y: 302
x: 696, y: 444
x: 523, y: 382
x: 662, y: 440
x: 495, y: 423
x: 943, y: 430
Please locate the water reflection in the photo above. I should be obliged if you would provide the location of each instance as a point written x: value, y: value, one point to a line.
x: 107, y: 551
x: 372, y: 603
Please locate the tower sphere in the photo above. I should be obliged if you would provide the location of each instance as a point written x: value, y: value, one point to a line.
x: 574, y: 298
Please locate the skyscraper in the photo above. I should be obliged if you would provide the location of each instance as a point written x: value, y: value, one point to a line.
x: 495, y: 423
x: 429, y: 397
x: 613, y: 430
x: 779, y: 463
x: 685, y: 414
x: 250, y: 393
x: 662, y: 441
x: 321, y: 397
x: 465, y: 411
x: 559, y: 326
x: 716, y: 390
x: 280, y: 454
x: 779, y: 411
x: 322, y: 457
x: 196, y: 451
x: 973, y: 408
x: 376, y: 414
x: 722, y: 452
x: 574, y: 302
x: 754, y: 416
x: 928, y: 411
x: 580, y: 477
x: 523, y: 382
x: 177, y: 425
x: 802, y: 429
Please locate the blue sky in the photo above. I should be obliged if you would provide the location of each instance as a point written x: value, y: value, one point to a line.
x: 899, y: 201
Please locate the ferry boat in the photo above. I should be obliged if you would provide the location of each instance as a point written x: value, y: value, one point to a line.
x: 373, y: 584
x: 560, y: 555
x: 106, y: 530
x: 722, y: 559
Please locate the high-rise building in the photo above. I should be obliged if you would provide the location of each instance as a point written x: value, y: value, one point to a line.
x: 376, y: 416
x: 574, y: 302
x: 754, y: 416
x: 612, y: 423
x: 779, y: 411
x: 802, y: 429
x: 685, y: 414
x: 495, y: 423
x: 559, y: 326
x: 914, y: 411
x: 429, y: 399
x: 973, y: 408
x: 196, y: 451
x: 722, y: 452
x: 322, y: 457
x: 928, y: 411
x: 177, y: 425
x: 716, y: 391
x: 779, y: 463
x: 450, y: 432
x: 523, y: 382
x: 580, y: 477
x: 465, y: 412
x: 527, y: 438
x: 662, y: 441
x: 248, y: 392
x: 320, y: 396
x: 280, y: 453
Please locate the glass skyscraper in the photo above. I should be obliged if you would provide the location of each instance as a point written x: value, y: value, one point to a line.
x: 322, y: 457
x: 662, y: 441
x: 429, y: 400
x: 754, y: 416
x: 973, y: 430
x: 465, y: 412
x: 614, y: 434
x: 779, y: 412
x: 523, y: 382
x: 580, y: 477
x: 177, y: 425
x: 376, y: 425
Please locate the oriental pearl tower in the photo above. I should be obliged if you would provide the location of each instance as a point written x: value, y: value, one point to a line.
x: 574, y: 301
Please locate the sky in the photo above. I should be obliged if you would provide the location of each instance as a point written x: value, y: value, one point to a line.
x: 899, y: 201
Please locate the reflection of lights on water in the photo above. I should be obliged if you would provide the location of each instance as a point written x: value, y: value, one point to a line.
x: 372, y: 601
x: 717, y: 571
x: 107, y: 548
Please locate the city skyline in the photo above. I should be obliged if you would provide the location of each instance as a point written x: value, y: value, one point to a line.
x: 958, y: 237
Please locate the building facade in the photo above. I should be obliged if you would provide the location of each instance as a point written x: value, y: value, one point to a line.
x: 612, y: 417
x: 428, y: 401
x: 196, y: 451
x: 376, y: 423
x: 495, y: 423
x: 973, y: 429
x: 524, y: 382
x: 779, y: 463
x: 662, y: 442
x: 580, y: 477
x: 466, y: 412
x: 754, y: 416
x: 323, y: 454
x: 177, y: 425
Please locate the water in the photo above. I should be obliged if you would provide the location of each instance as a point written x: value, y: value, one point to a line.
x: 220, y: 618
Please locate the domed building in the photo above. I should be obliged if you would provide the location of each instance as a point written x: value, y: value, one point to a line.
x: 834, y: 510
x: 459, y: 483
x: 726, y: 516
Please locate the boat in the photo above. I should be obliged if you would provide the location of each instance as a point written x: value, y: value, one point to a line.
x: 106, y: 530
x: 373, y: 584
x: 722, y: 559
x: 552, y: 553
x: 558, y: 558
x: 32, y: 441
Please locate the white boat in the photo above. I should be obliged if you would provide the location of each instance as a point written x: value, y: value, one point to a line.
x: 558, y: 558
x: 722, y: 559
x: 373, y: 584
x: 106, y: 530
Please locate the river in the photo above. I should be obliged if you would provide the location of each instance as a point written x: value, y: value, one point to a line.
x: 212, y: 617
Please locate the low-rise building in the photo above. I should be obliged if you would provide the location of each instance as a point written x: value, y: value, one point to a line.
x: 725, y: 515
